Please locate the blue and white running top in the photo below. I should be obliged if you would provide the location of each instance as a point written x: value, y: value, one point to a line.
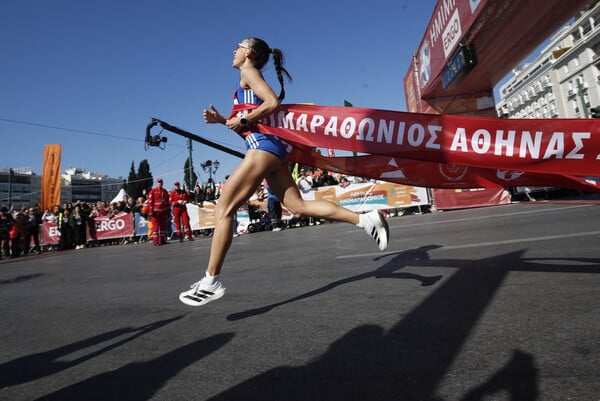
x: 245, y: 96
x: 257, y: 140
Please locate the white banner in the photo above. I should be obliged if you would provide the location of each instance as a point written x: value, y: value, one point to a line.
x: 360, y: 197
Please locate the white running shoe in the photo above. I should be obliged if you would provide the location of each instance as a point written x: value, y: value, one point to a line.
x: 376, y: 226
x: 202, y: 293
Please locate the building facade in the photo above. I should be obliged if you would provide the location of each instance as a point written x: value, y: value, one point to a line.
x: 90, y: 187
x: 564, y: 80
x: 21, y: 187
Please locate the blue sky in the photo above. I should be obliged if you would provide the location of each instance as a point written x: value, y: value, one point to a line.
x: 90, y: 74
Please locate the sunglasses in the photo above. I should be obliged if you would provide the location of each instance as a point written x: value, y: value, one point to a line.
x: 242, y: 46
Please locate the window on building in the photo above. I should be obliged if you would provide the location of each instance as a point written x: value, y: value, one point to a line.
x: 574, y: 106
x: 587, y: 28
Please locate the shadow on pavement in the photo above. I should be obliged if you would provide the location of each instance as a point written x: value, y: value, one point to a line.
x: 386, y: 271
x: 140, y: 380
x: 37, y: 366
x: 410, y: 361
x: 519, y: 378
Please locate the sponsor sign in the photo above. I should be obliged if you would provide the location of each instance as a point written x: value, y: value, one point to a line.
x: 51, y: 177
x: 448, y: 24
x: 49, y: 233
x: 104, y: 228
x: 447, y: 199
x: 357, y: 197
x: 120, y: 225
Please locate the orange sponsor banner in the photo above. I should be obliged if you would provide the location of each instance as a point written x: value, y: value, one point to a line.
x: 51, y: 176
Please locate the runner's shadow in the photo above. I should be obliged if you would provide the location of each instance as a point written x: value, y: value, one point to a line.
x: 519, y: 378
x: 388, y: 270
x: 37, y: 366
x: 412, y: 359
x: 139, y: 381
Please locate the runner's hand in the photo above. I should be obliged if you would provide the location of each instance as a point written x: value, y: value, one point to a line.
x: 212, y: 116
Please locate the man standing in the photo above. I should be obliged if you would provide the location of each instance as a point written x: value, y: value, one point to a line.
x: 179, y: 198
x: 32, y: 229
x: 304, y: 182
x: 274, y: 209
x: 158, y: 210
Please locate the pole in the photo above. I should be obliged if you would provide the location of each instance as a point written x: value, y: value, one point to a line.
x: 11, y: 174
x: 348, y: 104
x: 190, y: 166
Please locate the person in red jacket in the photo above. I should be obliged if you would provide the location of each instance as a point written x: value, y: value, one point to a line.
x: 158, y: 210
x: 179, y: 199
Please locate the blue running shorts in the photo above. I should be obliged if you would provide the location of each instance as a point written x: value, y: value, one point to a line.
x: 268, y: 143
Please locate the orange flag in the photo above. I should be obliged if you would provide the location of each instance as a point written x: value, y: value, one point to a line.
x: 51, y: 176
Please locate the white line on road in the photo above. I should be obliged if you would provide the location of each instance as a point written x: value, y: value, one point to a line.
x: 481, y: 244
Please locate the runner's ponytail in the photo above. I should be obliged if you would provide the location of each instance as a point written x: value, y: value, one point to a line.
x: 260, y: 57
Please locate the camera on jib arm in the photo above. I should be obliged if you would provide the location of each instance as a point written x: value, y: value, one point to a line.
x: 156, y: 140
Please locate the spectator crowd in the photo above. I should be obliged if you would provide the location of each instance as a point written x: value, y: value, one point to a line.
x: 20, y: 229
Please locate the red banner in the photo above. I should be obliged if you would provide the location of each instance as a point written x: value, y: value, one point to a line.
x: 119, y: 226
x: 445, y: 199
x: 49, y: 233
x: 441, y: 151
x: 450, y: 22
x: 104, y: 228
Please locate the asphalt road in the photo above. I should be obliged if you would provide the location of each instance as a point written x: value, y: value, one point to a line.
x: 498, y: 303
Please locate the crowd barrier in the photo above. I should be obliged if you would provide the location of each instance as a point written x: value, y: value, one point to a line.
x: 357, y: 197
x: 121, y: 225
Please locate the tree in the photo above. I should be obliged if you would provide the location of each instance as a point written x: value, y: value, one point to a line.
x: 187, y: 169
x: 131, y: 185
x: 144, y: 176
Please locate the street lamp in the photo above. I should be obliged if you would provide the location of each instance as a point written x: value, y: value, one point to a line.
x: 210, y: 167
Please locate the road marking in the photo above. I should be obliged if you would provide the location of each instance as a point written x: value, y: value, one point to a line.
x: 521, y: 240
x: 492, y: 216
x: 402, y: 226
x: 481, y: 244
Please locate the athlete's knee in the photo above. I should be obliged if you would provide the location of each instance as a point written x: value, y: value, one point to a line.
x: 299, y: 211
x: 223, y: 211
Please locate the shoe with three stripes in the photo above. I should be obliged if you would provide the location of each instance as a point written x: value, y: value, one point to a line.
x: 376, y: 226
x: 202, y: 293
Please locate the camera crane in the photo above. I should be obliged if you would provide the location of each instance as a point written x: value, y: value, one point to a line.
x: 160, y: 141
